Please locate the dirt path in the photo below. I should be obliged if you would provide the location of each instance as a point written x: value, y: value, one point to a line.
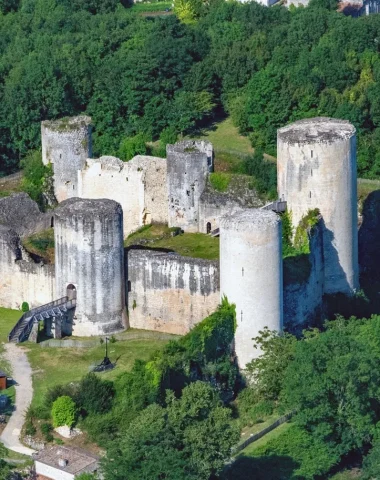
x: 22, y: 375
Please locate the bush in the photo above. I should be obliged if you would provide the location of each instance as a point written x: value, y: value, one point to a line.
x: 132, y: 146
x: 35, y: 173
x: 25, y: 307
x: 30, y: 429
x: 95, y: 395
x: 57, y: 391
x: 220, y: 181
x: 264, y: 173
x: 251, y: 408
x: 312, y: 456
x: 64, y: 412
x: 46, y: 429
x: 201, y: 354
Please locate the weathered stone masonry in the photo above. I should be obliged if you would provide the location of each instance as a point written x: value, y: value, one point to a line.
x: 168, y: 292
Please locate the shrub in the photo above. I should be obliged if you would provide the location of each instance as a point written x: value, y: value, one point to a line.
x: 57, y: 391
x: 168, y: 136
x: 30, y: 429
x: 220, y: 181
x: 35, y: 173
x: 46, y: 429
x: 132, y: 146
x: 201, y: 354
x: 63, y: 412
x: 251, y: 408
x: 264, y: 173
x: 95, y: 395
x: 25, y: 307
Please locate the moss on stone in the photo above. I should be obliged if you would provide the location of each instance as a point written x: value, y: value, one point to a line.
x: 41, y: 245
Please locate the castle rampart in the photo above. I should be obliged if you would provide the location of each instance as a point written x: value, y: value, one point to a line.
x: 21, y: 278
x: 168, y: 292
x: 138, y: 185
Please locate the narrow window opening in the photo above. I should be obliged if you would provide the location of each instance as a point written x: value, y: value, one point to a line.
x: 242, y: 272
x: 311, y: 172
x: 208, y: 227
x: 52, y: 222
x: 241, y: 316
x: 309, y: 194
x: 129, y: 286
x: 312, y: 154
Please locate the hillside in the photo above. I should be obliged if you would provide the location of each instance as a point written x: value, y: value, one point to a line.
x: 138, y: 73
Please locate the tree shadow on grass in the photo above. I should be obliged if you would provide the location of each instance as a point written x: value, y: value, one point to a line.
x: 268, y: 467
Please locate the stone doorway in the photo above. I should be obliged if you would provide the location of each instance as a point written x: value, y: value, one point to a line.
x: 71, y: 292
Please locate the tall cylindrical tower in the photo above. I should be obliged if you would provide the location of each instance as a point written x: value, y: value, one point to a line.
x: 188, y: 167
x: 66, y: 144
x: 89, y: 259
x: 316, y: 165
x: 251, y: 275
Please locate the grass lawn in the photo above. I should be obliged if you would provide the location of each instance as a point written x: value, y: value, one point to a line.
x: 257, y: 427
x: 229, y: 146
x: 226, y: 137
x: 251, y: 449
x: 8, y: 319
x: 10, y: 184
x: 55, y: 366
x: 347, y: 475
x: 197, y: 245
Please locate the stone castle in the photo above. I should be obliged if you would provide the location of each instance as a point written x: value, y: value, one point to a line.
x: 96, y: 286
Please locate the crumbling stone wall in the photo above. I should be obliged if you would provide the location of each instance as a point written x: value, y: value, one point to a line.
x: 66, y: 143
x: 138, y: 185
x: 21, y: 213
x: 170, y: 293
x: 22, y: 279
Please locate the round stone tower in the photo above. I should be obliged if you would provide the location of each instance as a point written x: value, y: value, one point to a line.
x: 66, y: 144
x: 89, y: 262
x: 316, y: 168
x: 188, y: 165
x: 251, y: 275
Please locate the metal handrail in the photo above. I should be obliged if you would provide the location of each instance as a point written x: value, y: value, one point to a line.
x: 35, y: 311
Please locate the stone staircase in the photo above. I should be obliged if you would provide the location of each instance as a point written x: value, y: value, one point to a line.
x: 23, y: 327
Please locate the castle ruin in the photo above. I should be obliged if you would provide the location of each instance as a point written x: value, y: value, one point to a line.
x: 96, y: 286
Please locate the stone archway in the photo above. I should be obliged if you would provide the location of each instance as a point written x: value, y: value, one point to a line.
x: 71, y: 291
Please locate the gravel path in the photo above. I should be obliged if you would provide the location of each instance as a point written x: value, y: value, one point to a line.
x: 22, y: 375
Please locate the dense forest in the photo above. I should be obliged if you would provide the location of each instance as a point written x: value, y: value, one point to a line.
x: 144, y: 76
